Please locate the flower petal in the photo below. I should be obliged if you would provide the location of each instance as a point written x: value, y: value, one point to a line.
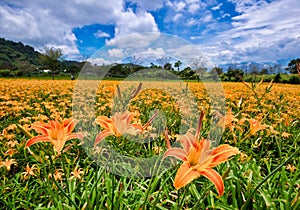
x: 74, y: 136
x: 128, y: 116
x: 221, y: 154
x: 105, y: 122
x: 37, y: 139
x: 185, y: 175
x: 41, y: 128
x: 187, y: 141
x: 69, y: 125
x: 58, y: 144
x: 102, y: 135
x: 215, y: 178
x: 176, y: 152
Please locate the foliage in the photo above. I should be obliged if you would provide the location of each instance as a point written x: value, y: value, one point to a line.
x: 292, y: 68
x: 277, y: 78
x: 218, y: 70
x: 233, y: 75
x: 5, y: 73
x: 50, y: 59
x: 263, y: 122
x: 11, y: 53
x: 177, y: 64
x: 187, y: 73
x: 24, y: 59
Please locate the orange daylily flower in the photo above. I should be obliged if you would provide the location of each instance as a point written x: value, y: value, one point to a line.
x: 76, y: 173
x: 255, y: 126
x: 58, y: 175
x: 55, y: 132
x: 10, y: 152
x: 119, y: 124
x: 198, y: 159
x: 226, y: 121
x: 29, y: 171
x: 7, y: 163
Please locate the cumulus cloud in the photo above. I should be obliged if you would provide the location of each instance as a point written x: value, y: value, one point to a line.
x: 134, y: 41
x: 101, y: 34
x: 116, y: 53
x: 149, y: 5
x: 217, y: 7
x: 129, y: 22
x: 51, y: 22
x: 179, y: 6
x: 262, y: 32
x: 242, y: 6
x: 177, y: 17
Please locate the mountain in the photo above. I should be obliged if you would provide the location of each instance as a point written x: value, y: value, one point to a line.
x: 254, y: 67
x: 14, y: 54
x: 19, y: 59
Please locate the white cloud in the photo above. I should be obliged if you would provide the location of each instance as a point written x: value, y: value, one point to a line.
x: 129, y: 22
x: 196, y: 6
x: 217, y: 7
x: 207, y: 17
x: 149, y: 5
x: 263, y: 30
x: 158, y: 50
x: 147, y: 56
x: 14, y: 22
x: 193, y: 8
x: 134, y: 42
x: 179, y: 6
x: 225, y: 15
x: 177, y: 17
x: 192, y: 1
x: 248, y: 5
x: 100, y: 61
x: 101, y: 34
x: 191, y: 22
x: 42, y: 23
x: 116, y: 53
x: 261, y: 33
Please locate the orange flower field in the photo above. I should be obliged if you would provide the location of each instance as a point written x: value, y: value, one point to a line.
x: 149, y: 145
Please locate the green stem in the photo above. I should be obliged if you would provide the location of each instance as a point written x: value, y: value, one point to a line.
x: 202, y: 196
x: 112, y: 190
x: 262, y: 182
x: 95, y: 184
x: 58, y: 186
x: 150, y: 184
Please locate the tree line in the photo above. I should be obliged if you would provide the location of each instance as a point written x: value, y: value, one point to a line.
x: 17, y: 59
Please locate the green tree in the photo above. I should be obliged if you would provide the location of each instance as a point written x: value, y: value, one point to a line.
x: 187, y: 73
x: 218, y: 70
x: 163, y: 61
x: 264, y: 71
x: 50, y: 58
x: 24, y: 66
x: 177, y: 64
x: 199, y: 65
x: 168, y: 66
x: 234, y: 74
x: 292, y: 66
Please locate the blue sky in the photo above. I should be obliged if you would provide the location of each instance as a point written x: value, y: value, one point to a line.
x: 225, y: 31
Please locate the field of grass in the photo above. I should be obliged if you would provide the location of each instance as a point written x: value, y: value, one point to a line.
x: 114, y: 162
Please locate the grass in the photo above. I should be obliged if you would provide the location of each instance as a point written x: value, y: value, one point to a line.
x: 264, y: 176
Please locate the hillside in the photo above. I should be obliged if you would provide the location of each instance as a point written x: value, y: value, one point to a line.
x: 17, y: 59
x: 14, y: 54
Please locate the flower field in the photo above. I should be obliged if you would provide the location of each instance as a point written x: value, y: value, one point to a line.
x: 131, y: 145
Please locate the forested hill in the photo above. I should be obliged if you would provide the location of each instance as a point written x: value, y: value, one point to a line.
x: 14, y: 53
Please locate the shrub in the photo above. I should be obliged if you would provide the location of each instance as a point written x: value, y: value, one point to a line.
x: 277, y: 78
x: 5, y: 73
x: 294, y: 80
